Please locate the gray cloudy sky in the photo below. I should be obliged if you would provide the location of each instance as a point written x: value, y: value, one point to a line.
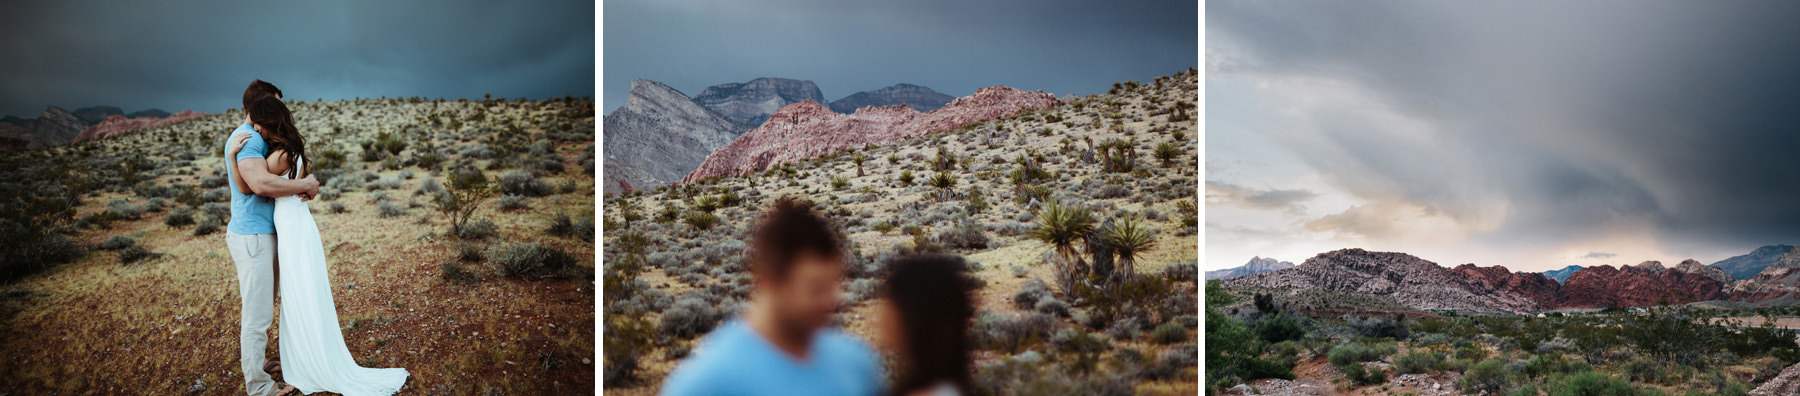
x: 1527, y: 134
x: 199, y: 55
x: 952, y: 46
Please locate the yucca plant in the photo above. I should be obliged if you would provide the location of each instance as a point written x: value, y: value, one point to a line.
x: 943, y: 182
x: 1060, y: 226
x: 1166, y: 153
x: 1128, y: 238
x: 858, y: 160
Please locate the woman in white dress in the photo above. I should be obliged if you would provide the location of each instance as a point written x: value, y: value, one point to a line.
x: 314, y: 357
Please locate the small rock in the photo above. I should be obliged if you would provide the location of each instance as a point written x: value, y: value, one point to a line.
x: 198, y: 388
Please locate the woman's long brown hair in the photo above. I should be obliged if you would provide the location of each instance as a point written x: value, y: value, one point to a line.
x: 932, y: 294
x: 279, y: 130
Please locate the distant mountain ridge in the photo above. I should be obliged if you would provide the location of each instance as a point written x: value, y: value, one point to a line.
x: 751, y: 103
x: 1256, y: 265
x: 1749, y: 265
x: 917, y: 97
x: 1424, y: 285
x: 1561, y: 275
x: 57, y: 126
x: 116, y: 124
x: 54, y: 127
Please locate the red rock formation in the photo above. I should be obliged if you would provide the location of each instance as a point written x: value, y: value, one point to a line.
x: 117, y: 124
x: 1639, y: 285
x: 1409, y: 280
x: 807, y: 129
x: 1531, y: 285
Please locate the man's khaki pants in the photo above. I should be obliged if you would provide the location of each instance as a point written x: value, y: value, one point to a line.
x: 257, y: 277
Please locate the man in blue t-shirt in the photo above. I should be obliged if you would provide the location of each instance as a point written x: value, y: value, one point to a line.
x: 250, y: 237
x: 780, y: 344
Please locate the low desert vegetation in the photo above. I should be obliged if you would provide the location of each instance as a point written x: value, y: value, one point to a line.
x: 1666, y: 350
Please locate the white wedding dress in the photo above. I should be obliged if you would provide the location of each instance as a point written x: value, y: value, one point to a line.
x: 313, y: 355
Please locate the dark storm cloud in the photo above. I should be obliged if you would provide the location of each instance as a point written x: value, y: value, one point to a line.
x: 952, y: 46
x: 1574, y: 114
x: 199, y: 55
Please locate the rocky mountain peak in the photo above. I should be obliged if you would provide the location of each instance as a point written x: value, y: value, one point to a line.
x: 752, y: 102
x: 659, y: 135
x: 914, y: 96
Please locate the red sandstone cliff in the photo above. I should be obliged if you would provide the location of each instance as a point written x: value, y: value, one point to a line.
x: 118, y: 124
x: 807, y: 129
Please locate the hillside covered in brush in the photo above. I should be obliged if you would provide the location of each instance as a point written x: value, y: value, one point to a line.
x: 1108, y: 180
x: 457, y: 232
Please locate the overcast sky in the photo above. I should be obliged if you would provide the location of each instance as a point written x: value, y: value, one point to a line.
x: 951, y: 46
x: 1527, y: 134
x: 199, y: 55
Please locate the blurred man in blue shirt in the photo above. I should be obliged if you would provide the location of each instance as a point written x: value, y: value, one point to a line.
x: 779, y: 345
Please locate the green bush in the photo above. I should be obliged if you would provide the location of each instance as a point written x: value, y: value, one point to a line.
x: 136, y: 253
x: 477, y: 230
x: 1491, y: 376
x: 1281, y: 327
x: 179, y: 218
x: 1169, y: 333
x: 1592, y: 383
x: 700, y: 220
x: 117, y: 242
x: 1362, y: 375
x: 523, y: 183
x: 1645, y: 369
x: 1417, y: 361
x: 1544, y: 365
x: 1355, y: 352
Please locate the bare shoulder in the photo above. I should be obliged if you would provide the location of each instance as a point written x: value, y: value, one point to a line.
x: 278, y: 163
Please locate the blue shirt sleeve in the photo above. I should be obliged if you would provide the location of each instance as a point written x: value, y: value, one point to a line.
x: 254, y: 148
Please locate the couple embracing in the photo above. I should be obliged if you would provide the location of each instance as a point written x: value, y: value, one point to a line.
x: 276, y: 246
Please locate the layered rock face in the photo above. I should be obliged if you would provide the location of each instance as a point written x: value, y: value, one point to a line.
x: 1748, y: 265
x: 1645, y: 284
x: 1410, y: 280
x: 1780, y: 280
x: 1256, y: 265
x: 659, y: 136
x: 914, y: 96
x: 807, y: 129
x: 119, y: 124
x: 1532, y: 286
x: 56, y: 126
x: 751, y: 103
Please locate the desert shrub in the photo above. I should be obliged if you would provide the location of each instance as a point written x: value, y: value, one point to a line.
x: 465, y: 191
x: 389, y: 208
x: 1377, y: 327
x: 531, y: 260
x: 1356, y: 352
x: 216, y: 195
x: 1125, y: 328
x: 690, y: 317
x: 454, y: 272
x: 478, y: 230
x: 523, y: 183
x: 1169, y: 333
x: 511, y: 202
x: 1053, y: 306
x: 1492, y: 376
x: 1471, y: 351
x: 135, y: 253
x: 1029, y: 373
x: 1281, y: 327
x: 860, y: 289
x: 1010, y: 333
x: 966, y: 234
x: 1232, y: 355
x: 1360, y: 374
x: 1592, y: 383
x: 1029, y: 293
x: 117, y: 242
x: 1553, y: 363
x: 1644, y: 369
x: 470, y: 252
x: 206, y: 228
x: 124, y: 208
x: 1417, y: 361
x: 179, y: 218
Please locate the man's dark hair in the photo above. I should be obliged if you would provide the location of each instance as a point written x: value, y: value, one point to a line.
x: 259, y: 89
x: 789, y: 228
